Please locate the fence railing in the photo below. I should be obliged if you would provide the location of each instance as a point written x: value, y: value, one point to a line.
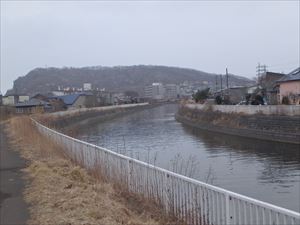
x: 190, y: 200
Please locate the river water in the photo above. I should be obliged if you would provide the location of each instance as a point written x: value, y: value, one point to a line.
x: 264, y: 170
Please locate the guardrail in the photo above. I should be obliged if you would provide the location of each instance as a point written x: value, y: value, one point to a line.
x: 190, y: 200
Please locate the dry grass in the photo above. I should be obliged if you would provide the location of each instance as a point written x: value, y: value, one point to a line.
x: 6, y: 112
x: 60, y: 192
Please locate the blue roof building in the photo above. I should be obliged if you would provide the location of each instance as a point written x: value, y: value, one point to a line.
x: 77, y: 100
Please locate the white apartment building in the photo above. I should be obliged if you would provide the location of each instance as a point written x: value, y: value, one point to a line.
x: 155, y: 91
x: 171, y: 91
x: 87, y: 86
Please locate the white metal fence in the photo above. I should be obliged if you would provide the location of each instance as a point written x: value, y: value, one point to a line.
x: 190, y: 200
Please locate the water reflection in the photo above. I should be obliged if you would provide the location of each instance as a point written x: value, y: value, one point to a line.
x: 265, y: 170
x: 247, y: 146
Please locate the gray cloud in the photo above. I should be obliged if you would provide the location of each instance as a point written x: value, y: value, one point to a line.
x: 203, y: 35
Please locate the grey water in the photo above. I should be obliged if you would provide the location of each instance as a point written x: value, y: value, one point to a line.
x: 264, y: 170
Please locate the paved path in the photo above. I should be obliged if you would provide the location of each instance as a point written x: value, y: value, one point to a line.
x: 13, y: 209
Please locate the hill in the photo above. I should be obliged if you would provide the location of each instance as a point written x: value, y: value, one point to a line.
x: 118, y: 78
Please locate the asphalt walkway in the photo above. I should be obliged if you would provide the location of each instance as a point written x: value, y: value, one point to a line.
x: 13, y: 209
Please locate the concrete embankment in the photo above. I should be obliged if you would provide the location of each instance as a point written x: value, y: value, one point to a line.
x: 67, y: 120
x: 273, y: 127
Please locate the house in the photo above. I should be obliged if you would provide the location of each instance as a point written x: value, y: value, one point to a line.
x: 268, y: 83
x: 40, y: 97
x: 289, y: 88
x: 32, y: 106
x: 23, y: 98
x: 10, y: 100
x: 78, y: 100
x: 232, y: 95
x: 254, y: 89
x: 103, y: 98
x: 55, y: 103
x: 14, y: 99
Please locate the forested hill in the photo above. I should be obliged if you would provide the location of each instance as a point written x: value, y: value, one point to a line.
x: 118, y: 78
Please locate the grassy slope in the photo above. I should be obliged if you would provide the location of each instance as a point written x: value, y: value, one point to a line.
x: 60, y: 192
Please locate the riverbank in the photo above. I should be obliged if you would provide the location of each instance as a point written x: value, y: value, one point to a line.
x: 272, y: 127
x: 69, y: 121
x: 13, y: 208
x: 60, y: 192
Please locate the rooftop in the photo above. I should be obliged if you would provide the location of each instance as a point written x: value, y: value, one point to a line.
x: 292, y: 76
x: 32, y: 102
x: 70, y: 99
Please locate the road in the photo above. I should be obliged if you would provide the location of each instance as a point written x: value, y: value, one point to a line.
x: 13, y: 209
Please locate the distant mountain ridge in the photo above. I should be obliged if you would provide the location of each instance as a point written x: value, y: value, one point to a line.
x: 118, y: 78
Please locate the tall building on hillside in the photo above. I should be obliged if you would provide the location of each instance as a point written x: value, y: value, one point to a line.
x: 155, y: 91
x: 87, y: 86
x: 171, y: 91
x: 148, y: 91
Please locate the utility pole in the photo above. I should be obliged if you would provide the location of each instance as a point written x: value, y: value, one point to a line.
x: 221, y: 84
x: 216, y: 83
x: 227, y: 78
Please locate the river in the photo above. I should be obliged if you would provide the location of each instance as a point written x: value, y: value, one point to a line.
x: 264, y: 170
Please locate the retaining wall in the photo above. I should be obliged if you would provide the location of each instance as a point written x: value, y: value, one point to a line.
x: 288, y: 110
x: 281, y: 128
x: 66, y: 120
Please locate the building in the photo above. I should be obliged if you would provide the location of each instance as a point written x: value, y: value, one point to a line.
x: 74, y: 101
x: 40, y: 97
x: 268, y: 83
x: 149, y: 92
x: 156, y: 91
x: 103, y: 98
x: 32, y: 106
x: 58, y: 93
x: 232, y: 95
x: 289, y: 88
x: 10, y: 100
x: 171, y: 91
x: 87, y: 87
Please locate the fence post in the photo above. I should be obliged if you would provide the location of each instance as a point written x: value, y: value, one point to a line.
x: 129, y: 174
x: 166, y: 192
x: 228, y: 216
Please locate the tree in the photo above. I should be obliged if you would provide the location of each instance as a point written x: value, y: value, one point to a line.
x: 200, y: 96
x: 218, y: 100
x: 132, y: 94
x: 258, y: 100
x: 285, y: 100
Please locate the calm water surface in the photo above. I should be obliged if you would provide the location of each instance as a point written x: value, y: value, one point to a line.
x: 264, y: 170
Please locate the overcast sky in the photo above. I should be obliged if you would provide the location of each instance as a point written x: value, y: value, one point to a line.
x: 208, y: 36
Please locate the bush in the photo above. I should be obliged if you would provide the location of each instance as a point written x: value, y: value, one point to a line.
x: 285, y: 100
x: 258, y: 100
x: 201, y: 95
x: 219, y: 100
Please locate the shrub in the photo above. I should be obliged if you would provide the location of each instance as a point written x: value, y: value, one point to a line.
x: 285, y: 100
x: 201, y: 95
